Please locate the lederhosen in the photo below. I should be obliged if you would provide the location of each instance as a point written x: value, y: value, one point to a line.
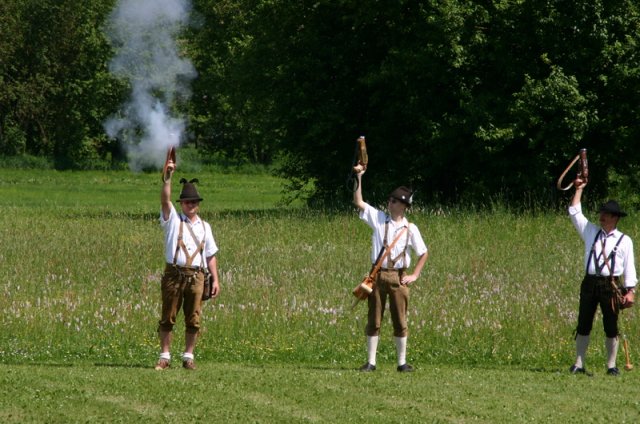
x: 182, y: 286
x: 596, y: 290
x: 388, y: 285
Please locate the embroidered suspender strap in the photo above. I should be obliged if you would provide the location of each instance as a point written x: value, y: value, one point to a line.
x: 404, y: 251
x: 200, y: 246
x: 611, y: 267
x: 178, y: 244
x: 593, y: 254
x: 378, y: 264
x: 613, y: 254
x: 384, y: 244
x: 181, y: 245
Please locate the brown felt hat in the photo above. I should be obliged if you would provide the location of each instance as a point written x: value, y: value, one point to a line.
x: 189, y: 191
x: 402, y: 194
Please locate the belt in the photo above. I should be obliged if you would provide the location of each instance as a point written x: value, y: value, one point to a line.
x: 185, y: 268
x: 393, y: 269
x: 602, y: 277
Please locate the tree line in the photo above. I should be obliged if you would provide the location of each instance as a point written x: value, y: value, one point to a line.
x: 462, y: 100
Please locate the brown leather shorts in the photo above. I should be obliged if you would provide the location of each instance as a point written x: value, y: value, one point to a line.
x: 388, y: 285
x: 181, y: 288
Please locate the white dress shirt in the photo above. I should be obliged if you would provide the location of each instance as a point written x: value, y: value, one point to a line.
x: 624, y: 259
x: 201, y: 229
x: 376, y: 219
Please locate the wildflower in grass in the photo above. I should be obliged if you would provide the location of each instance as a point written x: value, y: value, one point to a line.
x: 529, y: 321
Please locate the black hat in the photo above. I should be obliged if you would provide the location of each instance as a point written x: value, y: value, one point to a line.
x: 613, y: 208
x: 402, y: 194
x: 189, y: 191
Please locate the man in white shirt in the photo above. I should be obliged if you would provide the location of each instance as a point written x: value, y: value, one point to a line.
x: 608, y: 261
x: 393, y: 280
x: 190, y: 249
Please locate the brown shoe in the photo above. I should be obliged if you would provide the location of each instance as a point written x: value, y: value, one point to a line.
x: 189, y: 364
x: 162, y: 364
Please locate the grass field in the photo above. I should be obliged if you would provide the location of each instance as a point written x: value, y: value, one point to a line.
x: 273, y: 393
x: 491, y: 318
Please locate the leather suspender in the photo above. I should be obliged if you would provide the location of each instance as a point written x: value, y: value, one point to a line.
x: 613, y: 257
x: 612, y: 254
x: 180, y: 245
x: 384, y: 243
x: 593, y: 253
x: 383, y: 254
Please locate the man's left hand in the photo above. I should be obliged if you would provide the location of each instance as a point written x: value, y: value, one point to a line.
x: 216, y: 289
x: 629, y: 299
x: 408, y: 279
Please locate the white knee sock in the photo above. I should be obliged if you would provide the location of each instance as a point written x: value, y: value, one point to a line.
x: 372, y: 347
x: 401, y: 349
x: 165, y: 355
x: 582, y: 343
x: 186, y: 356
x: 612, y: 351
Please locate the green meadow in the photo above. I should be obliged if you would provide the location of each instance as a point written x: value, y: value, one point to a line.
x: 491, y: 317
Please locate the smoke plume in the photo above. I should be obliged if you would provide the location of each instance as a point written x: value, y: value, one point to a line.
x: 143, y: 34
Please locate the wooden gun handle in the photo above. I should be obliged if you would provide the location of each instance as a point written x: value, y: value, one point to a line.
x: 583, y: 170
x: 171, y: 158
x: 363, y: 158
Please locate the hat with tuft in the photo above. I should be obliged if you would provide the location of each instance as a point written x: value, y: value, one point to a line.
x: 403, y: 194
x: 613, y: 208
x: 189, y: 191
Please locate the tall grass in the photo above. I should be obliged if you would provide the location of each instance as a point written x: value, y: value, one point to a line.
x: 82, y: 257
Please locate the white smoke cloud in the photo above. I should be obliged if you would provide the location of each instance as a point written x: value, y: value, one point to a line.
x: 143, y: 33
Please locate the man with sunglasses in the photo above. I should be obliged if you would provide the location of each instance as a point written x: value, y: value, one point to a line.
x: 190, y: 250
x: 608, y: 256
x: 393, y: 280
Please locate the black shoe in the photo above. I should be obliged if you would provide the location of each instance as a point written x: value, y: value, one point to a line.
x: 576, y: 370
x: 367, y: 368
x: 405, y: 368
x: 613, y: 371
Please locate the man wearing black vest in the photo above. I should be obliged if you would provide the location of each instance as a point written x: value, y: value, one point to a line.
x: 608, y: 252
